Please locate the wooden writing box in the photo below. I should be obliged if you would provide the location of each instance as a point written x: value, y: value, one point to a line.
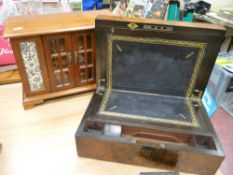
x: 147, y: 108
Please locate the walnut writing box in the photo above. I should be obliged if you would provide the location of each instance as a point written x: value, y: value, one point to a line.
x: 147, y: 108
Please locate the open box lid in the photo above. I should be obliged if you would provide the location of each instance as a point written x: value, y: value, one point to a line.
x: 167, y: 58
x: 155, y: 71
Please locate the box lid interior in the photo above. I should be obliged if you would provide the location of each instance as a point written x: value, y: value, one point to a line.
x: 161, y: 66
x: 155, y: 74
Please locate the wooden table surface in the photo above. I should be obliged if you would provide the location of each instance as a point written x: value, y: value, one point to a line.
x: 9, y: 77
x: 41, y: 141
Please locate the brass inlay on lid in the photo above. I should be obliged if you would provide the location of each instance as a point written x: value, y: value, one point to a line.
x: 132, y: 26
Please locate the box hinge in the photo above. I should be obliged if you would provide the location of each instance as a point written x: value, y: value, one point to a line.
x: 197, y: 94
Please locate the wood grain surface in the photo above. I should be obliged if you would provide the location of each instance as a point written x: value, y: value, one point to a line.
x: 9, y: 77
x: 161, y: 22
x: 51, y: 23
x: 41, y: 141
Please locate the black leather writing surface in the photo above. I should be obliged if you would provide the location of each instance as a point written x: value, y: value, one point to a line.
x: 159, y: 68
x: 150, y: 107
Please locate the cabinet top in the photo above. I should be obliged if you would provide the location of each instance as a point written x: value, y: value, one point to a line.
x: 21, y: 26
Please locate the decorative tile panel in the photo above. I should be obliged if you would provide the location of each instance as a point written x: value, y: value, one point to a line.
x: 32, y: 65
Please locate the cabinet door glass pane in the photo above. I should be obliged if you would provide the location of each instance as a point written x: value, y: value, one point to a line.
x: 82, y: 75
x: 80, y: 42
x: 62, y: 45
x: 64, y: 62
x: 53, y: 46
x: 58, y: 79
x: 32, y: 65
x: 90, y: 74
x: 55, y: 63
x: 89, y: 57
x: 81, y: 59
x: 88, y: 41
x: 66, y: 78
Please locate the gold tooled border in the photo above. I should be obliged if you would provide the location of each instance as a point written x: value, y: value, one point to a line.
x: 201, y: 54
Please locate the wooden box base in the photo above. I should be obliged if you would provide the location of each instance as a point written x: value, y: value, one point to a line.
x: 120, y: 150
x: 137, y: 155
x: 30, y: 102
x: 152, y: 146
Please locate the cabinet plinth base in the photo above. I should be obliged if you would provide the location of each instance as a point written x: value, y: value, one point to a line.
x: 30, y: 102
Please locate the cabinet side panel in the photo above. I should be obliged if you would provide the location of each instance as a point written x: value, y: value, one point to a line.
x: 29, y: 56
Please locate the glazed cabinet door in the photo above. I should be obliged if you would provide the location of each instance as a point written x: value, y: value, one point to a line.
x: 30, y: 59
x: 59, y: 56
x: 84, y: 57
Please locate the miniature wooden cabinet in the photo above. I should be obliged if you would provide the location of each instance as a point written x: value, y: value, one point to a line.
x: 55, y: 54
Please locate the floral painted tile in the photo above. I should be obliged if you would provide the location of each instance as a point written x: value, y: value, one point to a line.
x: 32, y: 65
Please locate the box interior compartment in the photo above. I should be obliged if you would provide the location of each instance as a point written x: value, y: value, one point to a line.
x: 145, y: 136
x: 148, y: 106
x: 151, y: 79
